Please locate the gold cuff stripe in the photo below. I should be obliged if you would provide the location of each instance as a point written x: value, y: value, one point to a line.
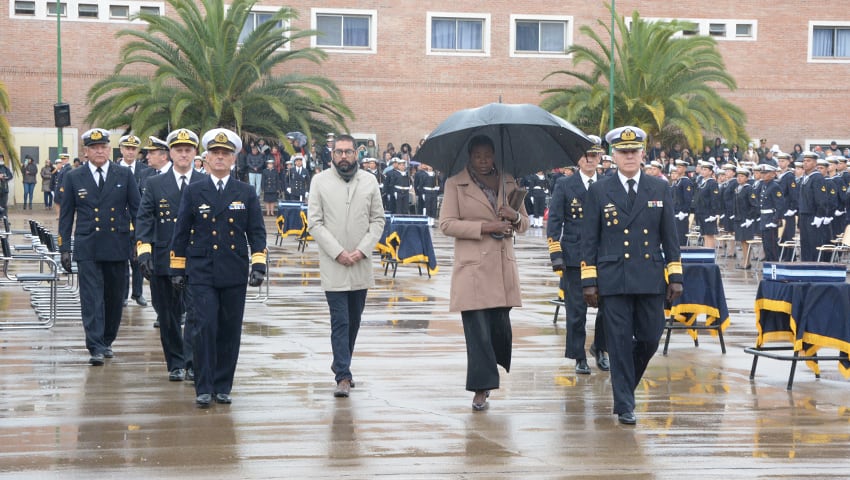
x: 142, y: 248
x: 178, y: 262
x: 588, y: 272
x: 259, y: 257
x: 674, y: 268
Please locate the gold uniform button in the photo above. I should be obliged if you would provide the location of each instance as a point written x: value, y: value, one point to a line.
x: 96, y: 210
x: 213, y: 220
x: 192, y: 231
x: 626, y: 231
x: 626, y: 243
x: 96, y: 219
x: 96, y: 229
x: 205, y: 215
x: 233, y: 247
x: 230, y: 220
x: 645, y: 244
x: 645, y: 231
x: 215, y: 247
x: 111, y: 219
x: 646, y: 256
x: 112, y: 229
x: 626, y: 255
x: 214, y: 233
x: 112, y: 209
x: 231, y: 233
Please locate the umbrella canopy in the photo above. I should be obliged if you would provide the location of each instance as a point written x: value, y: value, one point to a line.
x: 527, y: 138
x: 300, y: 137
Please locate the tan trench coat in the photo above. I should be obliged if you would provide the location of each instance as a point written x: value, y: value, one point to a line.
x: 485, y: 272
x: 345, y: 216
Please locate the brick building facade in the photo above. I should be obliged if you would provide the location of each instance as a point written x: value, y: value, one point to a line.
x: 401, y: 74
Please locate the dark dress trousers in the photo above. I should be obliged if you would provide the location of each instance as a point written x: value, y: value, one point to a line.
x: 210, y: 247
x: 772, y: 206
x: 135, y: 282
x: 154, y: 229
x: 813, y: 202
x: 624, y: 250
x: 707, y: 203
x: 566, y: 214
x: 101, y: 245
x: 790, y: 192
x: 683, y: 196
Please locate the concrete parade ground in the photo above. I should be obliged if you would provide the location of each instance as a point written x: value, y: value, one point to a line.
x: 409, y: 417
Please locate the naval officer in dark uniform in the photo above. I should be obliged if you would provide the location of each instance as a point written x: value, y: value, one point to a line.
x: 629, y: 238
x: 218, y: 220
x: 154, y: 230
x: 564, y: 231
x: 814, y: 208
x: 129, y: 146
x: 772, y: 207
x: 104, y: 198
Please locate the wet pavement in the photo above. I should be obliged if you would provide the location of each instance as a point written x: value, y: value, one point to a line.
x: 409, y: 416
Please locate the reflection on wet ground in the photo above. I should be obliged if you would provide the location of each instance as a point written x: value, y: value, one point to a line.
x: 409, y: 417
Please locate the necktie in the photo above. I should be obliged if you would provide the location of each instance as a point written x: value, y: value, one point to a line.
x: 100, y: 179
x: 220, y: 186
x: 589, y: 183
x: 182, y: 182
x: 632, y: 192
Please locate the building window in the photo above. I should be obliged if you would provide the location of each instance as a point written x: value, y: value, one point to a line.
x: 540, y: 36
x: 87, y: 10
x: 24, y: 8
x: 51, y: 9
x: 717, y: 29
x: 254, y: 20
x: 743, y: 30
x: 343, y: 31
x: 149, y: 10
x: 457, y: 34
x: 830, y: 42
x: 119, y: 11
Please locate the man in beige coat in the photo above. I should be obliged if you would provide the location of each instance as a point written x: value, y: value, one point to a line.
x: 346, y: 217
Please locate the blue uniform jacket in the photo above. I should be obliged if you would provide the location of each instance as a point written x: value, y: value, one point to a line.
x: 212, y: 234
x: 683, y: 194
x: 566, y: 215
x: 157, y: 217
x: 772, y: 204
x: 788, y: 184
x: 624, y: 251
x: 103, y: 217
x: 814, y: 196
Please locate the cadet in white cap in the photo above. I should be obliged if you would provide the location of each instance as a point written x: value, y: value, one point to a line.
x: 629, y: 217
x: 772, y: 206
x: 707, y: 203
x: 218, y: 220
x: 746, y: 213
x: 683, y: 195
x: 814, y: 208
x: 104, y: 198
x: 155, y: 227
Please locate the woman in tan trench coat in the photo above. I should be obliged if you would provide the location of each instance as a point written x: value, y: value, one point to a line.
x: 485, y: 279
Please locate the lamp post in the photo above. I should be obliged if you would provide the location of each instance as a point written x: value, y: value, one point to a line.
x: 611, y: 73
x: 59, y: 69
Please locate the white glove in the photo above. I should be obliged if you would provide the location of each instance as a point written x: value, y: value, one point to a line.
x: 789, y: 213
x: 395, y: 195
x: 731, y: 217
x: 747, y: 223
x: 681, y: 216
x: 289, y: 190
x: 838, y: 213
x: 827, y: 220
x: 711, y: 218
x: 817, y: 222
x: 724, y: 216
x: 771, y: 225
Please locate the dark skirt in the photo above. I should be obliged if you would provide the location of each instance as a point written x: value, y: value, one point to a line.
x: 708, y: 228
x: 742, y: 234
x: 270, y: 197
x: 488, y: 344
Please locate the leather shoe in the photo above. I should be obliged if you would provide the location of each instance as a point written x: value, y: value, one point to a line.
x: 479, y: 401
x: 203, y: 400
x: 176, y: 375
x: 140, y: 301
x: 350, y: 381
x: 601, y: 358
x: 343, y: 388
x: 156, y: 324
x: 125, y: 302
x: 222, y: 398
x: 108, y: 353
x: 190, y: 374
x: 96, y: 359
x: 581, y: 367
x: 627, y: 418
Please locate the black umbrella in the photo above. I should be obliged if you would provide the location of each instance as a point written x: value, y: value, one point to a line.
x: 528, y: 139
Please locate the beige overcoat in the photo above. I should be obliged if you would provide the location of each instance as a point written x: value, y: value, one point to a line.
x: 485, y: 272
x: 345, y: 216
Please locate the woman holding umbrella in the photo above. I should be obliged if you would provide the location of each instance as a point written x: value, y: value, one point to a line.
x: 485, y: 280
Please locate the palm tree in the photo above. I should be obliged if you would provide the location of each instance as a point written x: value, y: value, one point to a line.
x: 204, y: 77
x: 663, y: 84
x: 7, y: 147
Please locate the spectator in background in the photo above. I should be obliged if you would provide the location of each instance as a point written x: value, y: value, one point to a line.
x: 797, y: 154
x: 706, y: 153
x: 271, y: 187
x: 371, y: 149
x: 255, y: 161
x: 654, y: 152
x: 717, y: 150
x: 30, y: 170
x: 5, y: 177
x: 47, y: 172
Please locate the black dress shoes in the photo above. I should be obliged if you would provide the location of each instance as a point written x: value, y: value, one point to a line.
x: 222, y: 398
x: 601, y: 358
x: 108, y: 353
x: 581, y: 367
x: 203, y: 400
x: 140, y: 301
x: 627, y: 418
x: 156, y: 324
x: 343, y: 388
x: 176, y: 375
x: 190, y: 374
x: 96, y: 359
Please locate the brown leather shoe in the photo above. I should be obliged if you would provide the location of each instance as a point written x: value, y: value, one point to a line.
x: 343, y: 388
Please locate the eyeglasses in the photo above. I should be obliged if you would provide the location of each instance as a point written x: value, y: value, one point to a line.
x: 348, y: 152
